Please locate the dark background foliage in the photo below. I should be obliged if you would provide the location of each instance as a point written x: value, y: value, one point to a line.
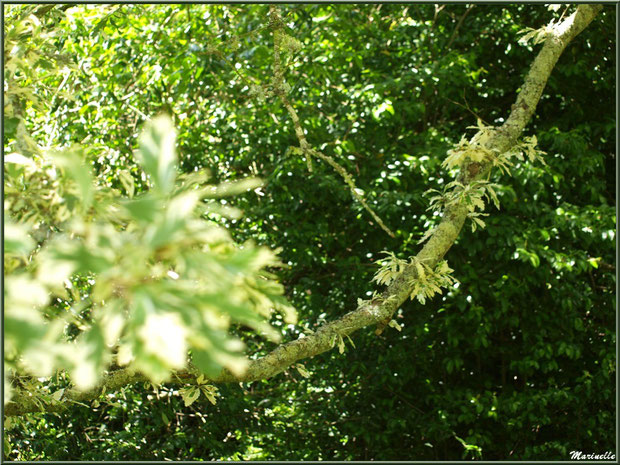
x: 518, y: 362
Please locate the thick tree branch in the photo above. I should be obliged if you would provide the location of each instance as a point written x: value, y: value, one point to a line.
x: 558, y: 37
x: 383, y: 307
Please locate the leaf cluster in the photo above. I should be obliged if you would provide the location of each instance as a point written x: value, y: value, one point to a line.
x: 190, y: 394
x: 473, y: 150
x: 427, y: 281
x: 165, y: 279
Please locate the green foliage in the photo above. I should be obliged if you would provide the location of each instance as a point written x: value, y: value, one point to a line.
x: 190, y: 394
x: 164, y: 279
x: 427, y: 282
x: 430, y: 281
x: 474, y: 150
x: 391, y: 267
x: 515, y: 361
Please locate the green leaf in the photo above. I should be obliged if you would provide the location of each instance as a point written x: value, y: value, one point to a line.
x: 10, y: 127
x: 210, y: 393
x: 143, y: 209
x: 578, y: 324
x: 88, y: 358
x: 128, y: 182
x: 419, y: 269
x: 16, y: 239
x: 190, y: 395
x: 302, y: 370
x: 82, y: 257
x: 157, y: 153
x: 73, y: 164
x: 341, y: 346
x: 380, y: 109
x: 57, y: 395
x: 163, y: 334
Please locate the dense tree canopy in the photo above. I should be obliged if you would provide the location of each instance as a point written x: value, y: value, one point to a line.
x: 208, y: 208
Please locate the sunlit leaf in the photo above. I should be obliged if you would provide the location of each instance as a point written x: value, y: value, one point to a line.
x: 157, y: 152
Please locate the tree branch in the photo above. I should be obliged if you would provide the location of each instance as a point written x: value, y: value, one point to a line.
x: 458, y: 26
x: 558, y: 38
x: 304, y: 146
x: 383, y: 307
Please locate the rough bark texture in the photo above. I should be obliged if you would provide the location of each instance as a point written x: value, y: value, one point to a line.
x: 381, y: 308
x: 559, y: 37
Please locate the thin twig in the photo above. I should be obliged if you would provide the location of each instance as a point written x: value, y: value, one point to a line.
x: 354, y: 191
x: 278, y: 81
x: 304, y: 146
x: 468, y: 108
x: 458, y: 25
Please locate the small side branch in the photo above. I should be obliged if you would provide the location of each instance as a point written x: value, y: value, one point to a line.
x: 349, y: 181
x: 280, y: 89
x: 458, y: 26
